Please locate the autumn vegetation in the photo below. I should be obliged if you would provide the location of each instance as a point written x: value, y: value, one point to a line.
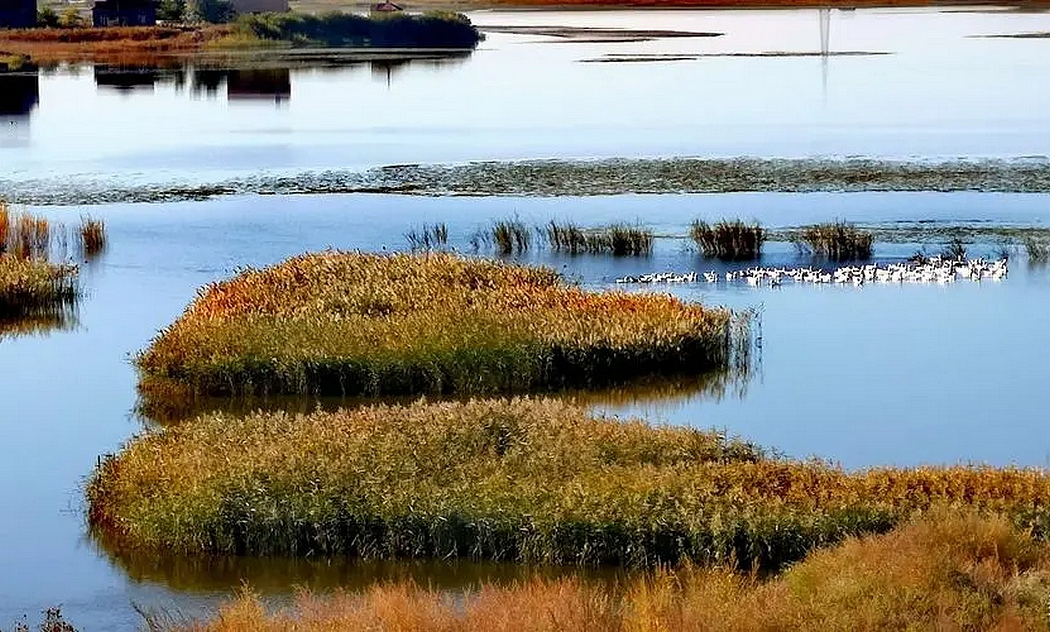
x: 32, y: 288
x: 338, y: 323
x: 523, y: 480
x: 942, y: 571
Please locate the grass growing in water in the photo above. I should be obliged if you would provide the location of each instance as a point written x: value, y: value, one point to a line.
x: 519, y: 480
x: 728, y: 241
x: 837, y: 241
x: 1038, y: 250
x: 510, y: 236
x: 619, y: 240
x: 35, y: 288
x: 955, y: 250
x: 428, y: 237
x: 356, y: 324
x: 946, y: 571
x: 92, y: 236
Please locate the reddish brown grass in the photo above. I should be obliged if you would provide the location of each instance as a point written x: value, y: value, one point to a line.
x: 948, y: 571
x: 112, y: 45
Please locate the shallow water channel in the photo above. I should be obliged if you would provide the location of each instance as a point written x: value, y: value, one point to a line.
x: 864, y: 376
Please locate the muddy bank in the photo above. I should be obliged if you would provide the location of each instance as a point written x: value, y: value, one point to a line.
x: 575, y: 177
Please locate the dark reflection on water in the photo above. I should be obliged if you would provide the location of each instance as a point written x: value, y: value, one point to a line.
x: 124, y: 79
x: 277, y: 574
x: 264, y: 79
x: 263, y: 84
x: 165, y: 404
x: 42, y: 323
x: 19, y: 93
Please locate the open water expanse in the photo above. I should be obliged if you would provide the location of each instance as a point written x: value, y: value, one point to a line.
x: 869, y: 376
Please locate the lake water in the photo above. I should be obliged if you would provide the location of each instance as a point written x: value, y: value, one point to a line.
x: 876, y: 375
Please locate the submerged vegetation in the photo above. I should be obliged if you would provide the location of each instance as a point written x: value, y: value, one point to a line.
x: 728, y: 240
x: 516, y: 480
x: 356, y: 324
x: 838, y: 241
x: 619, y: 240
x: 946, y: 571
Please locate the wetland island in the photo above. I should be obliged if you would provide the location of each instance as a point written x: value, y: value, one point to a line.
x: 521, y: 316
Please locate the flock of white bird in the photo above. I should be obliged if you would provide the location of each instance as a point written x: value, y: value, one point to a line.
x: 931, y: 270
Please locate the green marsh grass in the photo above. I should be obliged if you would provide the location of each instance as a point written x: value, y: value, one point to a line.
x: 838, y: 241
x: 943, y: 571
x: 728, y: 240
x: 526, y: 480
x: 357, y: 324
x: 619, y: 240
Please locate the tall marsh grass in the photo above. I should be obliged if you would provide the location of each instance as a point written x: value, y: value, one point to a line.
x: 356, y: 324
x: 516, y: 480
x: 944, y: 571
x: 728, y: 240
x: 838, y: 241
x: 619, y: 240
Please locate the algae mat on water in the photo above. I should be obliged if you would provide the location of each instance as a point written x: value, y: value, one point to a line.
x: 530, y: 480
x: 358, y: 324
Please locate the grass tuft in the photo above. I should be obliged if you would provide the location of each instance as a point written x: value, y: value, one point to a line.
x: 428, y: 237
x: 92, y: 236
x: 34, y: 288
x: 619, y: 240
x: 1038, y: 250
x: 837, y: 241
x: 510, y: 236
x: 728, y: 241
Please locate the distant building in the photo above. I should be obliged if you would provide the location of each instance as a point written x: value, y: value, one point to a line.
x: 17, y: 14
x: 386, y: 7
x: 260, y: 6
x: 124, y: 13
